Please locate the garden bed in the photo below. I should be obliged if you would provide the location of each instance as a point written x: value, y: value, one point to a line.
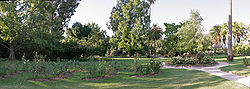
x: 11, y: 75
x: 103, y: 77
x: 59, y: 77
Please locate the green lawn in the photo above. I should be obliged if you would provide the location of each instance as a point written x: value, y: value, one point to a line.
x: 170, y: 79
x: 237, y: 66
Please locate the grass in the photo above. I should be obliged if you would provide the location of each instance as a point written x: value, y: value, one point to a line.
x: 170, y: 79
x: 237, y: 65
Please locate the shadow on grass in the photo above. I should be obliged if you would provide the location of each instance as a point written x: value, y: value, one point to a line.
x: 237, y: 67
x: 170, y: 78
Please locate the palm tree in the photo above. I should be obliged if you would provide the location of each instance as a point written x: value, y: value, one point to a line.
x: 150, y: 3
x: 156, y: 34
x: 215, y: 33
x: 230, y: 50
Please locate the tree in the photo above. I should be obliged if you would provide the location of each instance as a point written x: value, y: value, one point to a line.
x: 19, y: 24
x: 215, y: 32
x: 171, y: 39
x: 190, y: 34
x: 11, y: 24
x: 78, y: 30
x: 60, y: 14
x: 230, y: 49
x: 88, y: 38
x: 156, y: 34
x: 128, y: 20
x: 151, y: 2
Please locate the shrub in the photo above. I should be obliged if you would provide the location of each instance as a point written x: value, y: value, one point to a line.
x: 99, y: 68
x: 151, y: 68
x: 198, y: 59
x: 241, y: 49
x: 245, y: 62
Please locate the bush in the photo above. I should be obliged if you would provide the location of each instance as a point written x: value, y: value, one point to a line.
x: 192, y: 60
x: 245, y: 62
x: 241, y: 49
x: 151, y: 68
x: 99, y: 68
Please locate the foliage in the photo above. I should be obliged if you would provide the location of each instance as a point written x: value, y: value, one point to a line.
x: 20, y: 30
x: 155, y: 33
x: 219, y: 33
x: 84, y: 41
x: 171, y: 38
x: 129, y: 19
x: 192, y: 60
x: 99, y: 69
x: 150, y: 68
x: 191, y: 38
x: 241, y: 49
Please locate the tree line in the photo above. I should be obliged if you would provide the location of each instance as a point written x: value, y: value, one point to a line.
x: 34, y: 26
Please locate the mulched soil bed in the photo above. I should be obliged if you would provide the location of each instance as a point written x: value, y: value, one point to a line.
x: 59, y: 77
x: 143, y: 76
x: 98, y: 78
x: 12, y: 74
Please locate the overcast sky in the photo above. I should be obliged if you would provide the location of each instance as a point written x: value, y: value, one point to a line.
x: 167, y: 11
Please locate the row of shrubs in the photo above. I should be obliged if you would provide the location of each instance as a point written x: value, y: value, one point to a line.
x: 241, y: 50
x: 192, y: 60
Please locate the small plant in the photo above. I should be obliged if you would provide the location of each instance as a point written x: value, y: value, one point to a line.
x: 245, y: 62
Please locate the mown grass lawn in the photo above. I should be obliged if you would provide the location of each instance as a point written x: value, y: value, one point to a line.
x: 236, y: 66
x: 170, y: 79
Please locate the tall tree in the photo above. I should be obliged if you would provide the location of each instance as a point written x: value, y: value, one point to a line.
x: 156, y: 34
x: 11, y: 24
x: 191, y: 37
x: 19, y: 19
x: 230, y: 49
x: 171, y: 39
x: 128, y: 20
x: 151, y: 2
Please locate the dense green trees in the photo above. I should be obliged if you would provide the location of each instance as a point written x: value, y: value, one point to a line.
x: 129, y: 20
x: 34, y: 26
x: 171, y: 38
x: 83, y: 41
x: 220, y: 32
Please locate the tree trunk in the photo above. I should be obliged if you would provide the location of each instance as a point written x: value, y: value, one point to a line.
x: 149, y: 30
x: 148, y: 48
x: 230, y: 50
x: 108, y: 51
x: 154, y: 48
x: 116, y: 52
x: 12, y: 56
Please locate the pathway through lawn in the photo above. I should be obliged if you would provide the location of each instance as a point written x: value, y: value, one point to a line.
x: 214, y: 70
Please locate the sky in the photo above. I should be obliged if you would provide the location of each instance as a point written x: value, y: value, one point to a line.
x: 167, y: 11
